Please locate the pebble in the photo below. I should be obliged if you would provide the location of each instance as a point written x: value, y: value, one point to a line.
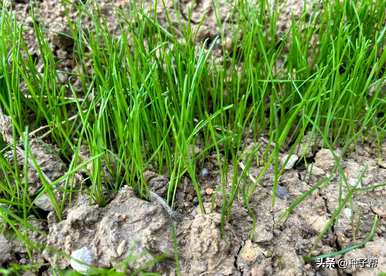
x: 347, y: 212
x: 289, y: 161
x: 204, y: 172
x: 121, y: 247
x: 44, y: 203
x: 382, y: 163
x: 227, y: 43
x: 81, y: 260
x: 353, y: 172
x: 282, y: 192
x: 208, y: 191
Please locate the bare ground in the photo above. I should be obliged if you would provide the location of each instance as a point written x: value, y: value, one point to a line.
x: 129, y: 226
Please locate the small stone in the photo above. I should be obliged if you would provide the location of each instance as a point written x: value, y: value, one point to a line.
x: 81, y: 260
x: 382, y: 163
x: 62, y: 78
x: 121, y: 247
x: 282, y: 192
x: 195, y: 200
x: 307, y: 146
x: 208, y: 191
x: 204, y: 172
x: 227, y: 43
x: 44, y: 203
x: 347, y: 212
x: 289, y: 161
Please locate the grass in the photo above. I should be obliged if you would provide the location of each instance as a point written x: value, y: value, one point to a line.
x: 149, y: 96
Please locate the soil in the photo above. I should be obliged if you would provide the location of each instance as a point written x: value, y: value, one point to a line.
x: 261, y: 244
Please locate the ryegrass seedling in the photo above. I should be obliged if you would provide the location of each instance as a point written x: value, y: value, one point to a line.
x: 149, y: 95
x: 347, y: 249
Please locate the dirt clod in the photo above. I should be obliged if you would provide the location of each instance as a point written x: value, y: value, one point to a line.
x: 126, y: 226
x: 203, y: 247
x: 249, y: 254
x: 325, y: 160
x: 374, y: 254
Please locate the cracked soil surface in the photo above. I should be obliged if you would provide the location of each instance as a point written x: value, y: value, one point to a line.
x: 261, y: 244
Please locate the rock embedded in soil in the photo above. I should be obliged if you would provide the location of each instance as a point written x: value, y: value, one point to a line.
x: 204, y: 172
x: 289, y: 161
x: 308, y: 145
x: 363, y: 171
x: 127, y: 226
x: 43, y: 202
x: 282, y: 192
x: 81, y: 260
x: 354, y: 173
x: 347, y: 213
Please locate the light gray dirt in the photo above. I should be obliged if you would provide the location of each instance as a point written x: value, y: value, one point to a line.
x: 5, y: 250
x: 375, y: 251
x: 203, y: 248
x: 126, y: 226
x: 252, y: 242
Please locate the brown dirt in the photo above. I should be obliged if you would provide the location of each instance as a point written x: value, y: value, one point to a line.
x: 243, y: 247
x: 129, y: 226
